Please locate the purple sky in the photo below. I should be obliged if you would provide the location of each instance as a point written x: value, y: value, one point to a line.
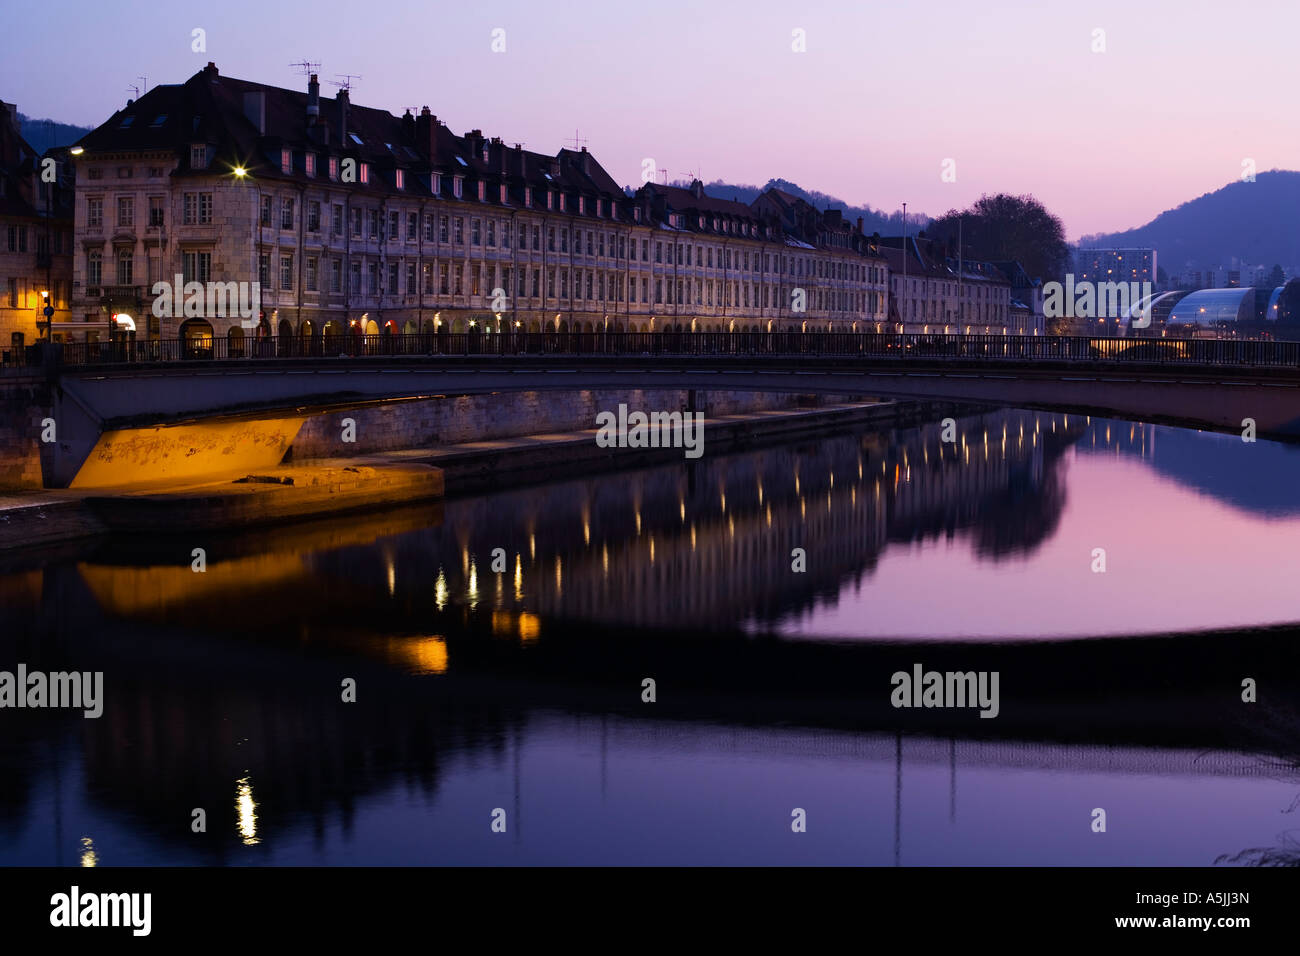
x: 884, y: 93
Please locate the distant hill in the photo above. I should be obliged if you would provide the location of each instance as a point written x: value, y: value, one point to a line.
x: 42, y: 134
x: 1255, y: 221
x: 873, y: 220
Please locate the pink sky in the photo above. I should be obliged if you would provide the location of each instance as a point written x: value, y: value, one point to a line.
x: 1010, y: 91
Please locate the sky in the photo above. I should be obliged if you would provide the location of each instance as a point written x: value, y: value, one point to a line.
x: 883, y: 95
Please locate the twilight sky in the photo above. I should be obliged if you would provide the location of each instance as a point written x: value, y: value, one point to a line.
x: 885, y: 92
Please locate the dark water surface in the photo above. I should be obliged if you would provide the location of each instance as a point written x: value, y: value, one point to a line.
x: 520, y: 690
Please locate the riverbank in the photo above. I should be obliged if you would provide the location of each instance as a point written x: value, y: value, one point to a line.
x: 326, y: 487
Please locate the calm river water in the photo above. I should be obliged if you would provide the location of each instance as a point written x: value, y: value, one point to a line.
x: 499, y: 647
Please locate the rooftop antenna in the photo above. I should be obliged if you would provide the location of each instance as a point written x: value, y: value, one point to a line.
x: 144, y: 80
x: 578, y: 142
x: 305, y: 67
x: 135, y: 90
x: 346, y: 82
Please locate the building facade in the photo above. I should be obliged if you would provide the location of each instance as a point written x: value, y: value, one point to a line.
x: 35, y: 237
x: 934, y: 293
x: 1115, y: 265
x: 350, y: 219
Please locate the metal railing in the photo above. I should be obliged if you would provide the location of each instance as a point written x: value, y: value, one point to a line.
x: 849, y: 345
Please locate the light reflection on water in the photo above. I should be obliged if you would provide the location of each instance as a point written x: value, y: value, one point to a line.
x: 498, y: 645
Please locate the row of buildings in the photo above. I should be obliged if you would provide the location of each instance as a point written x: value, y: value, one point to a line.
x: 351, y: 218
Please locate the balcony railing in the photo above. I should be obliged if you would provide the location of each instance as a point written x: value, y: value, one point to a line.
x: 991, y: 349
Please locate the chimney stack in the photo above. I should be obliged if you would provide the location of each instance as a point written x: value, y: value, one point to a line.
x: 859, y: 225
x: 426, y: 135
x: 408, y: 127
x: 343, y: 116
x: 313, y: 100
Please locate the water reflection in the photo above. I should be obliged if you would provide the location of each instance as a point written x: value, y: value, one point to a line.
x: 498, y: 643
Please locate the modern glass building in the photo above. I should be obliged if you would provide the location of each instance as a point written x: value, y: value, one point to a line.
x: 1214, y: 309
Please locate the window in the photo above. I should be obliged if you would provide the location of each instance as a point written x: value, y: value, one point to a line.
x: 334, y: 168
x: 196, y: 266
x: 94, y: 267
x: 475, y: 232
x: 442, y: 229
x: 372, y: 278
x: 125, y: 212
x: 312, y: 279
x: 95, y: 212
x: 286, y: 213
x: 392, y: 278
x: 155, y: 211
x: 266, y: 211
x: 264, y: 269
x: 491, y: 233
x: 198, y: 157
x: 337, y: 222
x: 482, y: 191
x: 373, y: 218
x: 410, y: 279
x: 125, y: 266
x: 428, y: 228
x: 286, y: 272
x: 309, y: 163
x: 96, y: 172
x: 528, y: 196
x: 399, y: 179
x: 365, y: 173
x: 394, y: 224
x: 336, y: 275
x: 460, y: 231
x: 412, y: 226
x: 286, y: 160
x: 458, y: 186
x: 313, y: 216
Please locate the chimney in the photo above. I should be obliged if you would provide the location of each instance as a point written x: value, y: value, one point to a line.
x: 859, y: 225
x: 255, y: 109
x: 585, y: 160
x: 426, y: 135
x: 212, y: 72
x: 697, y: 189
x: 408, y: 127
x: 313, y: 100
x: 503, y: 158
x: 343, y: 116
x: 519, y: 155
